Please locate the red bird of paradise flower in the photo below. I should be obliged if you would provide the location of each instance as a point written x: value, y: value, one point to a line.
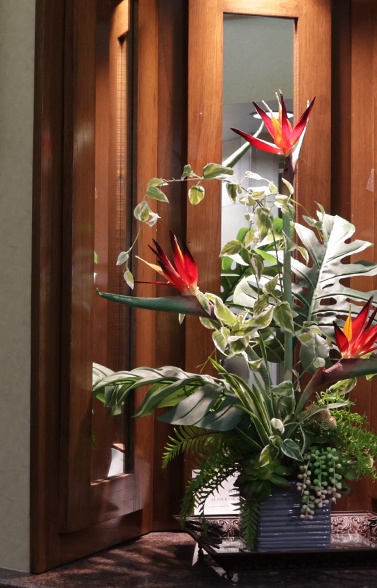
x: 284, y: 135
x: 182, y: 273
x: 358, y: 337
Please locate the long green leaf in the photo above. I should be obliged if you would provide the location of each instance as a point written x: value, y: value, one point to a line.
x: 200, y: 399
x: 251, y: 402
x: 178, y: 304
x: 200, y: 410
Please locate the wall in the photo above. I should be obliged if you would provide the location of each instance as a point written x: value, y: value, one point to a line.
x: 17, y: 19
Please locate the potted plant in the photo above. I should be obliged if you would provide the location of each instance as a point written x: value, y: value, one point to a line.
x: 285, y: 300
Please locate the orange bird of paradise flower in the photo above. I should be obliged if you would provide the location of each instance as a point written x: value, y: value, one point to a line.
x: 358, y: 337
x: 182, y: 273
x: 284, y: 135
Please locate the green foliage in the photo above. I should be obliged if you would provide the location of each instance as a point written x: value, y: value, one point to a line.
x: 355, y: 438
x: 188, y: 439
x: 200, y: 400
x: 214, y: 470
x: 321, y: 478
x: 196, y: 194
x: 214, y: 170
x: 249, y: 519
x: 353, y: 435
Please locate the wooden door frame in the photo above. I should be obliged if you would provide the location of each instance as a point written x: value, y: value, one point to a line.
x: 63, y: 186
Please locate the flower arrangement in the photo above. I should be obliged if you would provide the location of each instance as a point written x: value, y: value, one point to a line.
x: 285, y: 300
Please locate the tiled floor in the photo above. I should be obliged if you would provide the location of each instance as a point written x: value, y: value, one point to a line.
x: 167, y: 560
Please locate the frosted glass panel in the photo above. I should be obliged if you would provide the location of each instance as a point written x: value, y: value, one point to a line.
x: 258, y: 61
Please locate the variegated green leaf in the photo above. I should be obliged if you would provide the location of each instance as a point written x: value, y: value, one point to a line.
x: 196, y: 194
x: 220, y: 339
x: 223, y: 313
x: 155, y: 182
x: 277, y: 426
x: 128, y: 278
x: 264, y: 221
x: 123, y: 257
x: 214, y: 170
x: 157, y: 194
x: 187, y: 170
x: 142, y: 211
x: 283, y: 316
x: 291, y: 449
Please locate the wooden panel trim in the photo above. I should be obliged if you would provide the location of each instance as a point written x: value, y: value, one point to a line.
x: 112, y: 496
x: 46, y: 281
x: 172, y: 155
x: 122, y: 19
x: 281, y: 8
x: 373, y: 92
x: 313, y: 78
x: 341, y: 108
x: 78, y: 265
x: 146, y: 105
x: 204, y: 144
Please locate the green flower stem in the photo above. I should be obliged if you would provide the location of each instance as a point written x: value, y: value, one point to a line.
x: 288, y: 174
x: 240, y: 152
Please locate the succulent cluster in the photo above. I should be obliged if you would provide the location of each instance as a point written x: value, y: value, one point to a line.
x: 320, y: 480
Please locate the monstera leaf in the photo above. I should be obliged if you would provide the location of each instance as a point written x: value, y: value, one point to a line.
x: 321, y: 289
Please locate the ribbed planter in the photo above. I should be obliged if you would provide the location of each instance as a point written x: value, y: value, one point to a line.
x: 282, y: 529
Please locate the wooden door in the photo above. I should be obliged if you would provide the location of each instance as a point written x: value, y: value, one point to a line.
x: 176, y: 95
x: 85, y: 137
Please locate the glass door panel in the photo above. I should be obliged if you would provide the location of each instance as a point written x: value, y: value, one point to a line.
x: 111, y: 451
x: 254, y: 70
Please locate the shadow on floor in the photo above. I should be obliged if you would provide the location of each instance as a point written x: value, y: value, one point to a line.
x: 168, y: 560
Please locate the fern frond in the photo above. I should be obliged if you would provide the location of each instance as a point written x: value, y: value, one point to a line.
x: 189, y: 438
x: 249, y: 519
x: 215, y: 469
